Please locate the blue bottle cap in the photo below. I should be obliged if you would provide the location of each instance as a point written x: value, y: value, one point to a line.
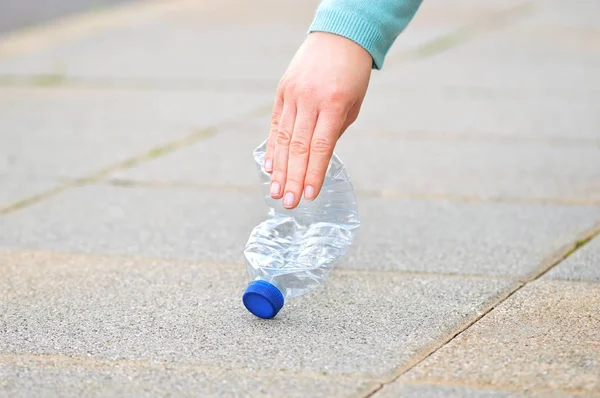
x: 263, y: 299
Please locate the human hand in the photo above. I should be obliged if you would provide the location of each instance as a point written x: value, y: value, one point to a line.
x: 318, y: 97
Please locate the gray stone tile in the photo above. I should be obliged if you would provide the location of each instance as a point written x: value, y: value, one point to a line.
x: 208, y: 41
x: 222, y: 159
x: 403, y: 389
x: 550, y: 52
x: 474, y: 169
x: 551, y: 47
x: 422, y: 111
x: 181, y: 223
x: 70, y: 132
x: 544, y: 337
x: 476, y: 238
x: 77, y: 381
x: 583, y: 264
x: 358, y: 323
x: 14, y: 188
x: 214, y: 224
x: 503, y: 73
x: 437, y: 19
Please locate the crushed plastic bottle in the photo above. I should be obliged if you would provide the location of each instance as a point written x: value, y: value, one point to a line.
x: 292, y: 251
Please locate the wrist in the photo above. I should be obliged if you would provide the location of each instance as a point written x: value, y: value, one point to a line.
x: 352, y: 27
x: 347, y: 46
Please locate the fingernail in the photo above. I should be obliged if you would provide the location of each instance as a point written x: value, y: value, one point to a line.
x: 309, y: 192
x: 269, y: 165
x: 288, y: 200
x: 274, y: 188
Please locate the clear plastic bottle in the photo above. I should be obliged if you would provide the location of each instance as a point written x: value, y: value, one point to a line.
x: 293, y: 251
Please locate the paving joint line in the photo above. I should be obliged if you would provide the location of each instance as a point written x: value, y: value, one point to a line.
x: 235, y: 265
x: 553, y: 261
x: 100, y: 364
x: 106, y: 83
x: 103, y: 83
x: 478, y: 91
x: 494, y: 138
x: 496, y: 387
x: 240, y: 264
x: 421, y: 274
x: 484, y: 199
x: 583, y: 239
x: 129, y: 183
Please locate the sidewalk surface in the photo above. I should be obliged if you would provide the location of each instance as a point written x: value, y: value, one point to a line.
x: 123, y: 216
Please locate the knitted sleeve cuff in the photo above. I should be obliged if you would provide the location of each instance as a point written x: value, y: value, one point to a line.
x: 352, y: 26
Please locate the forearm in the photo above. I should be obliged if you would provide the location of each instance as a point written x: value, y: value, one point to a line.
x: 373, y: 24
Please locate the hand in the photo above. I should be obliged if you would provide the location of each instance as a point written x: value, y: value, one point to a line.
x: 318, y: 97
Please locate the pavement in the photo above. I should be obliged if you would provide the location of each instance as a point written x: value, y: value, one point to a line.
x: 476, y: 160
x: 20, y: 14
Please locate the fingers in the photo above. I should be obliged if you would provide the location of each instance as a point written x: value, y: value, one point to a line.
x: 299, y: 148
x: 275, y: 118
x: 351, y: 118
x: 327, y: 131
x: 283, y: 138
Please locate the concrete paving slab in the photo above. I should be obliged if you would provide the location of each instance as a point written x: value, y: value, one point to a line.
x: 509, y: 240
x: 181, y: 223
x: 436, y: 20
x: 358, y: 323
x: 16, y: 14
x: 214, y: 224
x: 551, y: 46
x: 479, y: 169
x: 207, y: 41
x: 223, y: 159
x: 583, y: 264
x: 14, y: 188
x: 62, y: 132
x: 77, y: 381
x: 402, y: 389
x: 546, y: 336
x: 419, y: 111
x: 556, y: 77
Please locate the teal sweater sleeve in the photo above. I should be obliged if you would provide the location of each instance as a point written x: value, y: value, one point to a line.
x: 373, y: 24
